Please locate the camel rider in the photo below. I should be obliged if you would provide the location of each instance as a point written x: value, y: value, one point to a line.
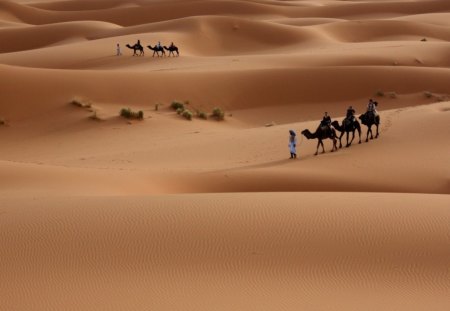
x: 138, y: 43
x: 326, y: 121
x: 159, y: 45
x: 351, y: 114
x: 171, y: 45
x: 372, y: 107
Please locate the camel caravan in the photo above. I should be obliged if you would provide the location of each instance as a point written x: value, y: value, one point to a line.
x: 327, y: 129
x: 158, y: 49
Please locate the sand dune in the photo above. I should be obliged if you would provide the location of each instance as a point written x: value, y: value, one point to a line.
x: 98, y: 212
x: 292, y: 86
x: 42, y: 36
x: 292, y: 250
x: 84, y: 5
x: 386, y: 30
x: 174, y: 159
x: 160, y: 11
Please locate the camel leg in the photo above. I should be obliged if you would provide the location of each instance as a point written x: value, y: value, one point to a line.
x: 323, y: 147
x: 377, y: 131
x: 340, y: 140
x: 367, y: 136
x: 359, y: 133
x: 317, y: 149
x: 351, y: 140
x: 334, y: 144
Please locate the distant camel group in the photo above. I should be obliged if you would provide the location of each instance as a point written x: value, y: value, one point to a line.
x: 348, y: 126
x: 138, y: 49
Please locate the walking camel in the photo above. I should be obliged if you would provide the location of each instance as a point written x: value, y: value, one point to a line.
x: 135, y: 48
x: 322, y: 133
x: 156, y: 50
x: 172, y: 49
x: 369, y: 119
x: 347, y: 127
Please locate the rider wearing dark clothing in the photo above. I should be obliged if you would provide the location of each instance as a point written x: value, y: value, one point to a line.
x: 351, y: 113
x: 326, y: 121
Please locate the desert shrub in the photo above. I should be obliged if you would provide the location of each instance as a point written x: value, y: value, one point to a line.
x: 180, y: 110
x: 130, y: 114
x: 391, y: 94
x: 80, y: 103
x: 442, y: 98
x: 428, y: 94
x: 95, y: 117
x: 218, y: 114
x: 187, y: 114
x: 2, y: 121
x: 177, y: 105
x: 379, y: 93
x: 202, y: 115
x: 125, y: 112
x: 424, y: 40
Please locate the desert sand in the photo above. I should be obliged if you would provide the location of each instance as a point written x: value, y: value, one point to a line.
x: 98, y: 212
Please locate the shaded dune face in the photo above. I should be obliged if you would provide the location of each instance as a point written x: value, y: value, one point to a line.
x: 98, y: 212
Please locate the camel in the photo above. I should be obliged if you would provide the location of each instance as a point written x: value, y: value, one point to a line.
x: 369, y: 119
x: 347, y: 127
x: 136, y: 47
x: 321, y: 134
x: 172, y: 49
x: 156, y: 50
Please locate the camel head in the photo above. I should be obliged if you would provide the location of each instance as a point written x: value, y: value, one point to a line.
x: 129, y: 46
x: 306, y: 133
x: 335, y: 123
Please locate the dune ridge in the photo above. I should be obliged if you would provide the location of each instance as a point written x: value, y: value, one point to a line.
x: 162, y: 11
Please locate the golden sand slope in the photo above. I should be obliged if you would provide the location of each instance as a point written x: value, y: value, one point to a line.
x: 245, y: 252
x: 165, y: 154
